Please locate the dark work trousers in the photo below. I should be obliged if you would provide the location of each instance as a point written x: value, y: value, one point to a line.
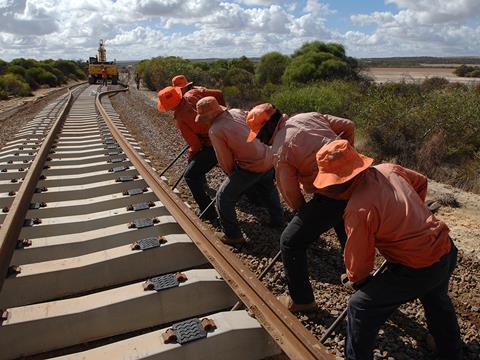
x: 370, y: 307
x: 200, y: 164
x: 313, y: 219
x: 234, y: 186
x: 104, y: 82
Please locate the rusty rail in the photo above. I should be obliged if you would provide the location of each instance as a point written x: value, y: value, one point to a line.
x: 296, y: 341
x: 13, y: 223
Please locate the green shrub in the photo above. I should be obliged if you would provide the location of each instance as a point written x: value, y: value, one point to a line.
x: 13, y: 84
x: 326, y: 97
x: 41, y: 77
x: 3, y: 66
x: 271, y: 68
x: 433, y: 84
x: 317, y: 61
x: 16, y: 69
x: 3, y: 94
x: 25, y: 63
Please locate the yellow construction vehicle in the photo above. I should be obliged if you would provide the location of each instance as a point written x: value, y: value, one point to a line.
x: 97, y: 63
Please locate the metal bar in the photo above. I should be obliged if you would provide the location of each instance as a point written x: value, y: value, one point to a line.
x: 294, y: 339
x: 342, y: 316
x: 179, y: 179
x: 237, y: 306
x: 208, y: 207
x: 13, y: 222
x: 174, y: 161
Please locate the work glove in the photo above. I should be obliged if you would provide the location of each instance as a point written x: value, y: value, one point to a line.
x: 351, y: 285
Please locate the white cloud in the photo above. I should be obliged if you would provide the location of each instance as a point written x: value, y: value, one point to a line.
x: 135, y: 29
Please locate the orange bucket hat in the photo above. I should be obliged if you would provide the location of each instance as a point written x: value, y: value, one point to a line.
x: 208, y: 109
x: 257, y: 117
x: 338, y: 162
x: 180, y: 81
x: 169, y: 98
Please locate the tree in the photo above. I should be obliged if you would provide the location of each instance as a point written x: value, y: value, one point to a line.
x: 271, y: 68
x: 317, y: 61
x: 243, y: 63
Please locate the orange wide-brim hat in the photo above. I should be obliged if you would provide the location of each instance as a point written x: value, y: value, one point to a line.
x: 257, y: 118
x: 169, y: 98
x: 208, y: 109
x: 180, y: 81
x: 339, y: 162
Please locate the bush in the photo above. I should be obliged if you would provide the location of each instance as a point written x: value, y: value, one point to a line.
x: 319, y: 61
x: 271, y: 68
x: 12, y: 84
x: 16, y: 69
x: 433, y: 84
x: 326, y: 97
x: 41, y: 77
x: 3, y: 66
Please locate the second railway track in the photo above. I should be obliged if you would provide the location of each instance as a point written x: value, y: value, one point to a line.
x: 103, y: 261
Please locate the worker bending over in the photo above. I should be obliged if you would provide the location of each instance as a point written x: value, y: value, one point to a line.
x: 295, y: 142
x: 386, y: 211
x: 246, y: 165
x: 182, y: 98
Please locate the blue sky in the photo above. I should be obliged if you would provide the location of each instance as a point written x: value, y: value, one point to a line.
x: 138, y: 29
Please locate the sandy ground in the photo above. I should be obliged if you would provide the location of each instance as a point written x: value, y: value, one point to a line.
x: 381, y: 75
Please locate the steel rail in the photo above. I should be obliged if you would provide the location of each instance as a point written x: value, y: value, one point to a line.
x: 293, y: 338
x: 14, y: 219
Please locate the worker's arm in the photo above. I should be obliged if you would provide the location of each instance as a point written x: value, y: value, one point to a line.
x: 418, y: 181
x: 342, y: 126
x: 359, y: 253
x: 222, y: 151
x: 288, y: 184
x: 190, y: 137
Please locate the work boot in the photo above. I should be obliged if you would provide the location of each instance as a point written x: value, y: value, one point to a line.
x: 287, y: 301
x: 230, y: 241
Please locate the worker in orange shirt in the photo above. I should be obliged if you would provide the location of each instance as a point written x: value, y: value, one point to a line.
x: 246, y: 165
x: 386, y: 211
x: 295, y: 141
x: 182, y: 99
x: 104, y: 76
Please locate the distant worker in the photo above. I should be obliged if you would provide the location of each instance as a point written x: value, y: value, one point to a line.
x: 246, y: 165
x: 295, y: 142
x: 137, y: 80
x: 104, y: 76
x: 386, y: 211
x: 201, y: 155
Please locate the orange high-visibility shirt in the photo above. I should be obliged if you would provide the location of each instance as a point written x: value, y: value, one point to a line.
x: 228, y: 134
x: 295, y: 146
x: 195, y: 134
x: 386, y: 211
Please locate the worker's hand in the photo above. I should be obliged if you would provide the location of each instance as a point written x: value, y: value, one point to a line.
x: 351, y: 285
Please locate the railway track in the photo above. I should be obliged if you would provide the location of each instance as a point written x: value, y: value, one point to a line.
x: 104, y: 261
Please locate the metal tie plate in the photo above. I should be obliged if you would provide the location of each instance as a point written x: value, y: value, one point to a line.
x: 114, y: 146
x: 142, y: 223
x: 116, y: 160
x: 112, y: 153
x: 125, y: 178
x: 110, y: 142
x: 118, y: 169
x: 148, y: 243
x: 189, y: 330
x: 140, y: 206
x: 35, y: 205
x: 136, y: 191
x: 164, y: 282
